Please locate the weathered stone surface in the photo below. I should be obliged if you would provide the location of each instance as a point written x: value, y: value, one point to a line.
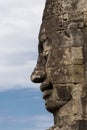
x: 66, y: 56
x: 78, y: 125
x: 66, y: 74
x: 62, y: 63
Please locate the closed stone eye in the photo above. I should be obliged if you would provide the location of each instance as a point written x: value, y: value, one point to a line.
x: 45, y: 56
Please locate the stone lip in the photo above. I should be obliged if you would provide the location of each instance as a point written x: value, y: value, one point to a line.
x: 46, y: 86
x: 46, y: 94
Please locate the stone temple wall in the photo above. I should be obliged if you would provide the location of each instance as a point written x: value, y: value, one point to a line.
x: 62, y: 63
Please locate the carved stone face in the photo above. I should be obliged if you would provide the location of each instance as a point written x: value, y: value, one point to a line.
x: 60, y: 58
x: 59, y: 64
x: 51, y: 71
x: 62, y: 61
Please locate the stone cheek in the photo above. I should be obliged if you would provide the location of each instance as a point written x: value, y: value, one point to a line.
x: 66, y: 74
x: 65, y: 56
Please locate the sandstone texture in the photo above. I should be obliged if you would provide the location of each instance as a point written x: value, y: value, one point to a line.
x: 62, y: 63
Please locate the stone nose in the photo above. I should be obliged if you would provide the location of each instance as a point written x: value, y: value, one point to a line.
x: 38, y: 76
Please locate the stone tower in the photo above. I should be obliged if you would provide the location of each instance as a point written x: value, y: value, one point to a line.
x: 62, y: 63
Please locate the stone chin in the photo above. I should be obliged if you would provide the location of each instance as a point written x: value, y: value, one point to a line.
x: 53, y: 106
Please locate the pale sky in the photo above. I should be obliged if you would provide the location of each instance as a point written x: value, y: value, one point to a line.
x: 19, y: 27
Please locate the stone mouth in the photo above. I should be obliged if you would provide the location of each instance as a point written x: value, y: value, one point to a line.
x: 46, y: 94
x: 46, y: 88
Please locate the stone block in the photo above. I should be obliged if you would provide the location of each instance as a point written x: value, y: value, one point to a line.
x: 66, y: 74
x: 65, y: 56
